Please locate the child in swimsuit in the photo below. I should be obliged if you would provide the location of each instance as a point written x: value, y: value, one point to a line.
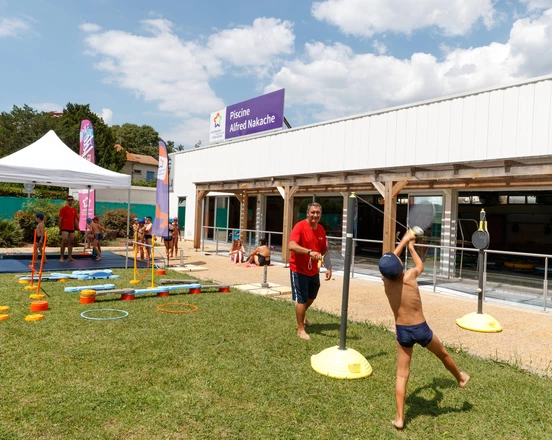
x: 404, y: 298
x: 40, y: 229
x: 97, y: 230
x: 168, y: 240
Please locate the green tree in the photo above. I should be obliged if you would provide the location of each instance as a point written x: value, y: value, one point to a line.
x: 21, y: 127
x: 137, y: 139
x: 68, y: 130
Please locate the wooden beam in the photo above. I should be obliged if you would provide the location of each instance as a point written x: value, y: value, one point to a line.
x: 200, y: 195
x: 380, y: 187
x: 389, y: 225
x: 243, y: 212
x: 398, y: 187
x: 289, y: 193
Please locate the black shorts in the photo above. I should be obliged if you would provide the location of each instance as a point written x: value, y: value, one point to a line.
x: 304, y: 287
x: 263, y: 261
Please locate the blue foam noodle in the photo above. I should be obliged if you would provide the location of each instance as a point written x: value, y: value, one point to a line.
x: 96, y: 287
x: 181, y: 286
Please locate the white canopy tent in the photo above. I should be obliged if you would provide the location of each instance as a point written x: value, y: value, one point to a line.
x: 48, y: 161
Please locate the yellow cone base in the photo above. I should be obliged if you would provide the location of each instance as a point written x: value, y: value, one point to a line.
x: 479, y: 322
x: 31, y: 287
x: 134, y: 282
x: 341, y: 364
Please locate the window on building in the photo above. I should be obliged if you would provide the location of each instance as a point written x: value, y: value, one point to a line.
x: 150, y: 176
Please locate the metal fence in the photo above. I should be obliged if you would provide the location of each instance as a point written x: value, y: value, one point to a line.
x: 514, y: 277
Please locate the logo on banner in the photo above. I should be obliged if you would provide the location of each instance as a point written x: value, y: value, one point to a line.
x: 217, y: 120
x: 217, y: 126
x: 162, y: 171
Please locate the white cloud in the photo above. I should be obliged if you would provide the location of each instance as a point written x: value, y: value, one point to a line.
x: 189, y: 131
x: 379, y: 47
x: 90, y: 27
x: 254, y: 45
x: 339, y: 82
x: 176, y: 74
x: 47, y: 107
x: 106, y: 115
x: 369, y: 17
x: 534, y: 5
x: 13, y: 27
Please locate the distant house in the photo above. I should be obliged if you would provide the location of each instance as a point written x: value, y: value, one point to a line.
x: 139, y: 167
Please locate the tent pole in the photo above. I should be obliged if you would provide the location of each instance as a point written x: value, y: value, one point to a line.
x: 87, y: 215
x: 128, y: 228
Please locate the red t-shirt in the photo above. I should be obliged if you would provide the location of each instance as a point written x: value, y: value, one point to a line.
x: 314, y: 239
x: 68, y: 216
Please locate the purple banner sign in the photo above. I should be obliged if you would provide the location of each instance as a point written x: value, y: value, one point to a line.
x: 86, y: 197
x: 161, y: 221
x: 255, y: 115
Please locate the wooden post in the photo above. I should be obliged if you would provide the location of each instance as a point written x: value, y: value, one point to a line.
x: 243, y: 213
x: 287, y: 193
x: 200, y: 195
x: 389, y: 219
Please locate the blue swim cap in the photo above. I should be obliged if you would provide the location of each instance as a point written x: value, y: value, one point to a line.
x: 141, y: 220
x: 40, y: 216
x: 88, y: 220
x: 390, y: 266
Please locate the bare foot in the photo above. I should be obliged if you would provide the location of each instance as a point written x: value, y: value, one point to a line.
x: 307, y: 323
x: 398, y: 423
x: 462, y: 383
x: 303, y: 335
x: 70, y: 259
x: 98, y: 258
x: 62, y: 260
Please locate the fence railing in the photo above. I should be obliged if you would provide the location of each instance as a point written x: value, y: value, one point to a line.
x: 516, y: 277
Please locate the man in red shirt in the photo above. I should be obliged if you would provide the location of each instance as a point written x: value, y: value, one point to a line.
x: 308, y: 245
x: 68, y: 223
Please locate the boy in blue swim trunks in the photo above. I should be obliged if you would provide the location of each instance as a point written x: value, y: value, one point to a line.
x: 404, y: 298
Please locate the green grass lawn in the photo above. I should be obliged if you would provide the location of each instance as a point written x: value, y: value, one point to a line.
x: 234, y: 369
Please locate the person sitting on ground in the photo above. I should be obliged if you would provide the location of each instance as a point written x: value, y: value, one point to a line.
x: 40, y: 230
x: 404, y: 298
x: 97, y: 230
x: 261, y: 255
x: 237, y: 253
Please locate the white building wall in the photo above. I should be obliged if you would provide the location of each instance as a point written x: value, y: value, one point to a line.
x: 502, y: 123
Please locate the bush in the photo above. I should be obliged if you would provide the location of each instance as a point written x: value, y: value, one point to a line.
x: 116, y: 220
x: 26, y: 217
x: 42, y: 191
x: 54, y: 239
x: 11, y: 234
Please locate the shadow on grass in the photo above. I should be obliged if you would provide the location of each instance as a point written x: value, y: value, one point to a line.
x: 328, y: 330
x: 419, y: 405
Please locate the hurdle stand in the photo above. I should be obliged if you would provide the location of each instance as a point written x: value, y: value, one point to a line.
x: 41, y: 266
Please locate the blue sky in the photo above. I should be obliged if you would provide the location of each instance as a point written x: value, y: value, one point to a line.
x: 170, y: 63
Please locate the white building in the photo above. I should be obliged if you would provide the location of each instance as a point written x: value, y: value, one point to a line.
x: 490, y: 149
